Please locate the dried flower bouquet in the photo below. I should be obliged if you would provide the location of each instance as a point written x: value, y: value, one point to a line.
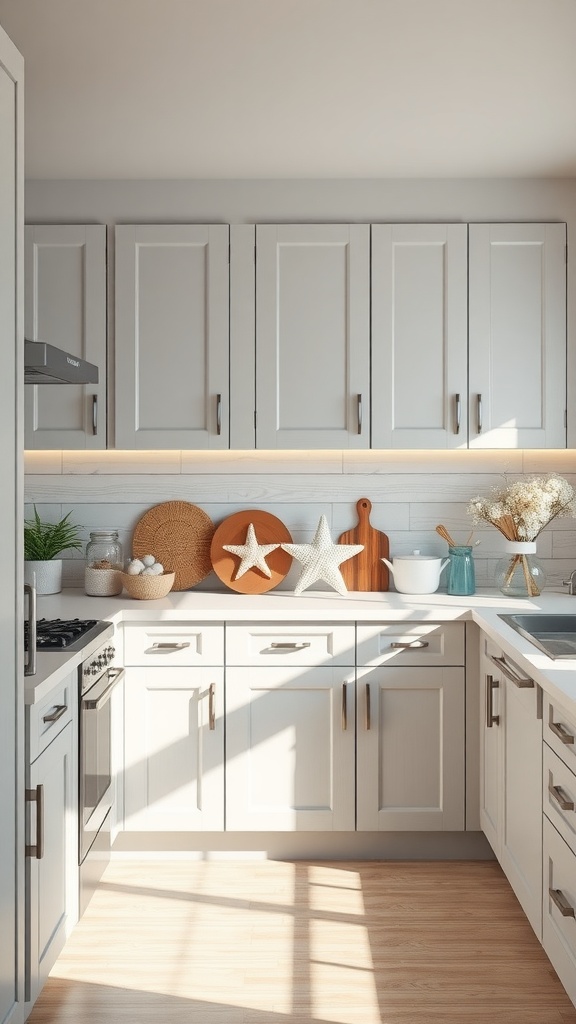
x: 521, y: 510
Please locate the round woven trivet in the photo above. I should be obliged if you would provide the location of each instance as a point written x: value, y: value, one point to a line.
x: 269, y: 530
x: 178, y: 534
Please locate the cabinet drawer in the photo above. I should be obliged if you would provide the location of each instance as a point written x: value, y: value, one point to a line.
x: 173, y: 643
x: 290, y: 643
x: 414, y: 643
x: 559, y: 796
x: 559, y: 905
x: 560, y: 732
x: 48, y: 718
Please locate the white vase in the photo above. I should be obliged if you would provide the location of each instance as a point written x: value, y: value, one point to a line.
x: 45, y: 576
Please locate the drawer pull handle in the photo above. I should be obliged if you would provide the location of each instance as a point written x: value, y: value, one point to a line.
x: 399, y: 646
x: 211, y: 707
x: 458, y: 413
x: 37, y: 796
x: 368, y: 708
x: 557, y: 795
x: 522, y: 682
x: 359, y: 412
x: 59, y: 710
x: 344, y: 707
x: 491, y: 685
x: 558, y: 897
x: 560, y: 731
x: 172, y: 647
x: 218, y: 414
x: 290, y: 646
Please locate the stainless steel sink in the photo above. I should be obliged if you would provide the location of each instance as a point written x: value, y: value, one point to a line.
x: 554, y: 635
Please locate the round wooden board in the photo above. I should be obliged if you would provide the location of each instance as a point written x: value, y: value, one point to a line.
x: 268, y: 530
x: 178, y: 534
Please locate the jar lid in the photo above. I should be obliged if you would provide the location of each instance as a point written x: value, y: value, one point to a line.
x: 103, y: 532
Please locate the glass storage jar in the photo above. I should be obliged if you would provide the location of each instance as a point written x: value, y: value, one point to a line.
x: 104, y: 564
x: 461, y: 576
x: 520, y: 573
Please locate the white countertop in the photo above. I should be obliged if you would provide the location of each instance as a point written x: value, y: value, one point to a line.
x: 558, y: 678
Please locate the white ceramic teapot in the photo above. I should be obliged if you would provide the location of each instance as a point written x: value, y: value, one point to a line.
x: 416, y: 573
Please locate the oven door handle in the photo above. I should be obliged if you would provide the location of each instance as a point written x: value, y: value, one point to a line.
x: 115, y: 675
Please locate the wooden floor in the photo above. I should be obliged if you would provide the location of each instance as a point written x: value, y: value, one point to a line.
x: 287, y: 943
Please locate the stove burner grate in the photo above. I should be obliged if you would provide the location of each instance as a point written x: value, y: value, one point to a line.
x: 58, y: 634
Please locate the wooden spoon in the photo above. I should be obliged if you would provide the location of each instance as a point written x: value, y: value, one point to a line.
x: 445, y: 535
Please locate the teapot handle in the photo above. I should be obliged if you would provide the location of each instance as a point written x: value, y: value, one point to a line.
x: 444, y: 564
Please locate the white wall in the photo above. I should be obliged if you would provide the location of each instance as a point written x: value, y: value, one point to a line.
x: 410, y: 492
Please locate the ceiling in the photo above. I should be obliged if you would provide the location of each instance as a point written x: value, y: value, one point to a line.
x: 297, y: 88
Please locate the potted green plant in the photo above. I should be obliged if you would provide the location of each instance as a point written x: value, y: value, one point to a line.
x: 42, y: 543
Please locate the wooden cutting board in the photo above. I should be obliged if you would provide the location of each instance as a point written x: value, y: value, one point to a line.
x: 366, y: 571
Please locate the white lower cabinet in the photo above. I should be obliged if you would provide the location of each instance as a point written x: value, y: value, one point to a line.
x: 290, y: 744
x: 173, y: 749
x: 52, y: 857
x: 411, y: 773
x: 559, y: 827
x: 511, y: 774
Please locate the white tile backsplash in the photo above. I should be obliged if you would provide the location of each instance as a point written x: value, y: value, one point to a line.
x: 410, y: 493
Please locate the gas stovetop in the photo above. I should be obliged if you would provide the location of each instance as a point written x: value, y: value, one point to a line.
x: 65, y: 634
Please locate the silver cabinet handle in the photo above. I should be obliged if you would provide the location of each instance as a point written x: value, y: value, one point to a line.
x: 399, y: 646
x: 359, y: 413
x: 291, y: 646
x: 211, y: 707
x: 458, y: 413
x: 479, y: 400
x: 558, y: 897
x: 368, y: 708
x: 560, y: 731
x: 344, y: 707
x: 172, y: 647
x: 94, y: 414
x: 491, y: 685
x: 37, y: 796
x: 30, y: 668
x: 522, y: 682
x: 557, y: 794
x: 59, y: 710
x: 218, y: 414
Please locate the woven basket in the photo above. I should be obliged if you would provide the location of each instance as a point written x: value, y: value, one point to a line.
x: 148, y: 588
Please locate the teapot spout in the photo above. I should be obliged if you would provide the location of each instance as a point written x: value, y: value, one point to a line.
x: 389, y: 564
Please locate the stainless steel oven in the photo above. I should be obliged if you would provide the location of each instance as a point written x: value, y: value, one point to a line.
x: 98, y: 677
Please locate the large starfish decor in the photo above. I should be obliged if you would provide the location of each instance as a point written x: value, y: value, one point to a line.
x: 252, y: 554
x: 321, y: 558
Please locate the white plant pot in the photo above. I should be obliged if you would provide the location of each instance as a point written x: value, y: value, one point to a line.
x: 45, y: 576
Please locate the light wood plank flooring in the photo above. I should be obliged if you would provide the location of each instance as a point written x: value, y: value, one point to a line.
x: 270, y: 942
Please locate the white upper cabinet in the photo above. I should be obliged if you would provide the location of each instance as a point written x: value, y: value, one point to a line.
x: 313, y: 336
x: 172, y: 336
x: 65, y: 305
x: 517, y: 332
x: 419, y: 336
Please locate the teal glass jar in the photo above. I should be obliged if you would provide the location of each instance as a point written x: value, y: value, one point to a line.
x: 461, y: 576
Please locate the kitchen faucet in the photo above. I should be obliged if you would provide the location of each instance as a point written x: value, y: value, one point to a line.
x: 571, y: 583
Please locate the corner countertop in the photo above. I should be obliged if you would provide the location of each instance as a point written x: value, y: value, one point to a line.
x: 557, y: 678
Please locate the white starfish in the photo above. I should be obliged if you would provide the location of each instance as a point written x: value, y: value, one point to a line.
x: 252, y: 554
x: 321, y: 558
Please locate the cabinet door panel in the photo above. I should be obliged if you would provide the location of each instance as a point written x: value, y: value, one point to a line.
x: 419, y: 329
x: 521, y: 829
x: 174, y: 766
x: 54, y: 878
x: 312, y: 336
x: 491, y: 696
x: 289, y: 749
x: 172, y: 336
x: 66, y: 306
x: 517, y: 335
x: 411, y: 749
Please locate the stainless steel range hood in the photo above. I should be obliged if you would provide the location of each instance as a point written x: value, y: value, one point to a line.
x: 45, y: 364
